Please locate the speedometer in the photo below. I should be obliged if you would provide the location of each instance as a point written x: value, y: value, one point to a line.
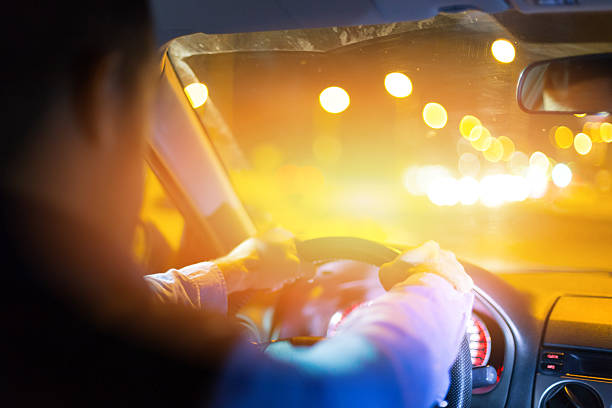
x: 480, y: 341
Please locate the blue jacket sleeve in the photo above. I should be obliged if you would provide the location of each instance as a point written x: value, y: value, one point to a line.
x: 394, y: 351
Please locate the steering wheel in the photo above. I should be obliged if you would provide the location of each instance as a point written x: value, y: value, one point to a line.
x: 357, y: 249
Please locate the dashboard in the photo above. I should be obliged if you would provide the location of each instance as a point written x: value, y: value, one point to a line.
x: 547, y: 335
x: 556, y: 328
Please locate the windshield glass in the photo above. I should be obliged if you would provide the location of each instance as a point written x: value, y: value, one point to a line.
x: 318, y: 137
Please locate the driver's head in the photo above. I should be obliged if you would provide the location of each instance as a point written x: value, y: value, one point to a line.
x: 76, y: 91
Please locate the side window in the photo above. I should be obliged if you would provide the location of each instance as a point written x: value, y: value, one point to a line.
x: 160, y: 232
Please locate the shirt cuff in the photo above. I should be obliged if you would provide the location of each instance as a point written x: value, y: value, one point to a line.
x: 201, y: 285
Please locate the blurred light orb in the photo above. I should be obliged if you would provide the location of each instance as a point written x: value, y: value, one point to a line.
x: 469, y: 190
x: 503, y: 51
x: 197, y: 93
x: 495, y: 151
x: 418, y: 179
x: 583, y: 143
x: 491, y: 191
x: 606, y: 132
x: 398, y: 84
x: 537, y: 182
x: 539, y: 162
x: 469, y: 164
x: 564, y: 137
x: 444, y: 191
x: 467, y: 124
x: 334, y: 99
x: 561, y: 175
x: 508, y: 146
x: 435, y: 115
x: 481, y: 138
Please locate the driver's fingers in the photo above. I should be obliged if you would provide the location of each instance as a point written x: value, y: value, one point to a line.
x: 427, y: 258
x: 454, y: 272
x: 428, y: 252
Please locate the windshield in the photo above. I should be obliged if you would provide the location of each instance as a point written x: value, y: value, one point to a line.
x: 318, y: 137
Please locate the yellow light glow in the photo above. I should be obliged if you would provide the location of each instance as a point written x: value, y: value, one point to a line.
x: 197, y: 93
x: 508, y: 146
x: 603, y: 180
x: 398, y: 84
x: 539, y: 162
x: 564, y: 137
x: 580, y: 115
x: 435, y: 115
x: 481, y: 138
x: 495, y: 151
x: 467, y: 124
x: 605, y: 131
x: 582, y: 143
x: 327, y: 149
x: 561, y: 175
x: 266, y: 157
x: 503, y: 51
x: 334, y: 99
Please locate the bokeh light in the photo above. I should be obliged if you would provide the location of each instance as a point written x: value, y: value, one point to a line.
x: 467, y: 124
x: 503, y: 51
x: 508, y: 146
x: 561, y: 175
x: 398, y: 84
x: 469, y: 164
x: 469, y: 190
x: 435, y: 115
x: 444, y: 191
x: 481, y: 138
x: 418, y: 179
x: 539, y: 162
x: 495, y: 151
x: 334, y: 99
x: 537, y: 181
x: 582, y: 143
x: 197, y: 93
x: 605, y: 131
x: 564, y: 137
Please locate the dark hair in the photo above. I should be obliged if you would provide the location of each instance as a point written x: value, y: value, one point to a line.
x: 51, y: 49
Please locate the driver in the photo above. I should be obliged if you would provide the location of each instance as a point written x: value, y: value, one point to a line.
x: 80, y: 325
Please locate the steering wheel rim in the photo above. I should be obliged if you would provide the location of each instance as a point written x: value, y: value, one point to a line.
x: 374, y: 253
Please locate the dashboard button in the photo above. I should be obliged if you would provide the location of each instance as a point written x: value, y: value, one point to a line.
x: 553, y: 356
x: 551, y: 368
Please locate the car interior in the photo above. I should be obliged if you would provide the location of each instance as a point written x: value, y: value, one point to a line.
x: 369, y: 127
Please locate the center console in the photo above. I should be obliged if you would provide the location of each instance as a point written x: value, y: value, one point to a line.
x: 575, y: 359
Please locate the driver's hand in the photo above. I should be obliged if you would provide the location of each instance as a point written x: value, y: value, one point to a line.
x: 268, y: 261
x: 427, y: 258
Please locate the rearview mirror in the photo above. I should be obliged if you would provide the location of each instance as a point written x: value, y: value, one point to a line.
x: 580, y: 84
